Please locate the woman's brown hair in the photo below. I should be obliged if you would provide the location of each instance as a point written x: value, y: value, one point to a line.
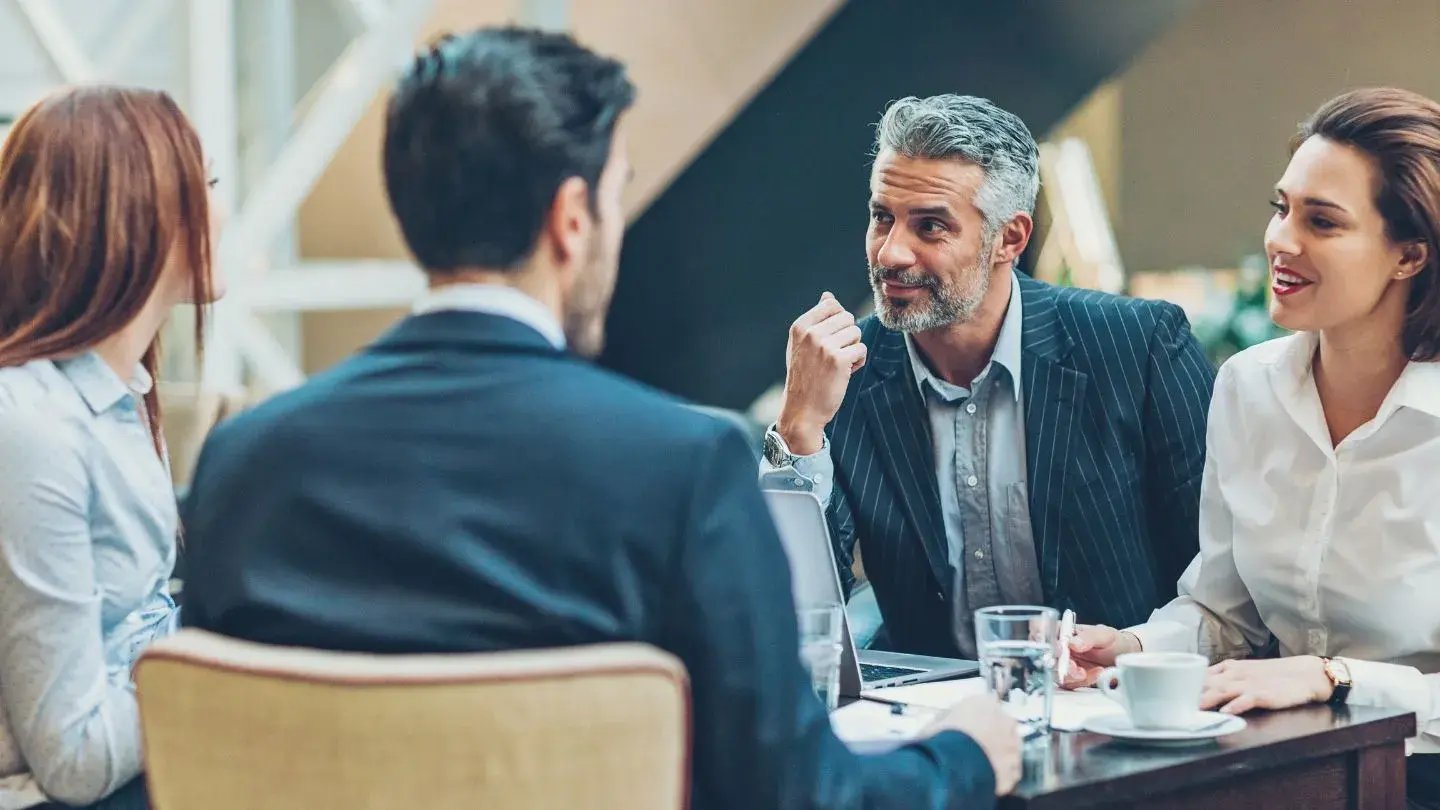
x: 97, y: 186
x: 1400, y: 130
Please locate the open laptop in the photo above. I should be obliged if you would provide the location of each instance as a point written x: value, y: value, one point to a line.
x: 800, y: 519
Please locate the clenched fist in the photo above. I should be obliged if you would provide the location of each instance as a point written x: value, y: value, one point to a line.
x: 824, y: 349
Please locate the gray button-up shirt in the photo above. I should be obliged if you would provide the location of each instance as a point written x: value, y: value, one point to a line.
x: 978, y: 436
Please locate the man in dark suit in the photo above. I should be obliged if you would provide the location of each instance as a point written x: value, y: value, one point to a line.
x: 988, y: 438
x: 471, y: 482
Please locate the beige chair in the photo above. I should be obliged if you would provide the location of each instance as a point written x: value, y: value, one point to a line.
x: 231, y: 724
x: 187, y: 415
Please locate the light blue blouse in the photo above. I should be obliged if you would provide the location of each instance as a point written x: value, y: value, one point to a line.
x: 87, y: 545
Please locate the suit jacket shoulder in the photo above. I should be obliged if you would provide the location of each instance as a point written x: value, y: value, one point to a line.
x: 1097, y: 315
x: 618, y: 411
x: 1111, y: 336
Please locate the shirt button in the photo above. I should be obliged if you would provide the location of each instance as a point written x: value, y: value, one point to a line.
x: 970, y: 408
x: 819, y: 477
x: 972, y: 481
x: 979, y: 553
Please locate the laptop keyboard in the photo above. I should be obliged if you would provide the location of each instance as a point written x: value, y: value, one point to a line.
x: 876, y: 672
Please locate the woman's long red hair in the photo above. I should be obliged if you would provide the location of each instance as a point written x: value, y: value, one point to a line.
x: 97, y: 186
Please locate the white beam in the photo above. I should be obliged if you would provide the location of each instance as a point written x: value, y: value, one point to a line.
x: 337, y: 284
x: 362, y: 15
x: 212, y: 92
x: 551, y: 15
x: 272, y: 366
x: 344, y: 93
x: 57, y: 41
x: 341, y: 98
x: 213, y: 108
x: 268, y: 50
x: 142, y: 17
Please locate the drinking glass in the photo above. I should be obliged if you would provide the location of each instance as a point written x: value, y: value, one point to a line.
x: 820, y: 649
x: 1016, y: 646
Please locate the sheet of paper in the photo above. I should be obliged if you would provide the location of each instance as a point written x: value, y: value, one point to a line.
x: 936, y: 694
x: 1069, y: 711
x: 1072, y: 709
x: 867, y: 727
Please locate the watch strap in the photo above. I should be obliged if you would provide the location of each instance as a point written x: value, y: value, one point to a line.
x: 1340, y: 684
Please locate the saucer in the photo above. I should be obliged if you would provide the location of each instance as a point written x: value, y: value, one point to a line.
x: 1208, y: 725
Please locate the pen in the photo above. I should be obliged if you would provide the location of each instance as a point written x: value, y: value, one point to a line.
x: 1067, y: 632
x: 896, y: 706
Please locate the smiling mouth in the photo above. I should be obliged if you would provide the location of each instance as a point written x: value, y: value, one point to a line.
x: 1287, y: 283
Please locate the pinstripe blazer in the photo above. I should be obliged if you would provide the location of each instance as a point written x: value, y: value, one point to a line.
x: 1116, y: 395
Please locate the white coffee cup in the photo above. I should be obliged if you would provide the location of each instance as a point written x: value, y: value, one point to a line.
x: 1159, y: 690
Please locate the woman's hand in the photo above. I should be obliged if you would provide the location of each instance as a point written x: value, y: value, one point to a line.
x: 1236, y: 687
x: 1094, y: 648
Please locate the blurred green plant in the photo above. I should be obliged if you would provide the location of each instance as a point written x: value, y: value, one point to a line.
x: 1229, y: 323
x: 1247, y: 321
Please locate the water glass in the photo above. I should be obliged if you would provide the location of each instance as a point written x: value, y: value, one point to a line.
x: 821, y: 627
x: 1016, y: 645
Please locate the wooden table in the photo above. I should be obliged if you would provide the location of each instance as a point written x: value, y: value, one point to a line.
x: 1314, y: 757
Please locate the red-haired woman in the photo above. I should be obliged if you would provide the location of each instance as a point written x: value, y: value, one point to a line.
x: 104, y: 228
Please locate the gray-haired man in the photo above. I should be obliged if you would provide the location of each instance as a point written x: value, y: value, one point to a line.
x: 988, y: 438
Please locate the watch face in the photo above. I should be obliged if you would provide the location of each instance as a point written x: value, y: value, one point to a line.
x: 773, y: 452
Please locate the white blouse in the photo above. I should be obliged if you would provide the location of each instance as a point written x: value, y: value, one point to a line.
x: 1321, y: 550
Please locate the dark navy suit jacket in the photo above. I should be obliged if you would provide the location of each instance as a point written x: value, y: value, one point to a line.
x: 1116, y: 393
x: 462, y: 486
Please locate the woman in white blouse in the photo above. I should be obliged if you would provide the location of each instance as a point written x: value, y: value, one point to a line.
x: 1320, y: 506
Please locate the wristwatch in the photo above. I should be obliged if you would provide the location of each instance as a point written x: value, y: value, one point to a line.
x: 1339, y: 675
x: 777, y: 452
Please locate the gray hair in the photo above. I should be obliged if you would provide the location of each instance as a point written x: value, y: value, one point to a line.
x: 976, y: 131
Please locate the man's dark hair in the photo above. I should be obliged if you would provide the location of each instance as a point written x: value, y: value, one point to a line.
x: 481, y: 132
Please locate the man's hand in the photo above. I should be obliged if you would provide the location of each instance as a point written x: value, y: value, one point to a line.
x: 1094, y: 648
x: 824, y: 349
x: 982, y: 720
x: 1236, y: 687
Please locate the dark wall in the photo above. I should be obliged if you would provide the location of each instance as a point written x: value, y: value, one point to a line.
x: 773, y: 212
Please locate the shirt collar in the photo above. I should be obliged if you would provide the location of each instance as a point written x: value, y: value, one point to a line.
x: 1006, y: 353
x: 98, y: 384
x: 494, y: 299
x: 1418, y: 386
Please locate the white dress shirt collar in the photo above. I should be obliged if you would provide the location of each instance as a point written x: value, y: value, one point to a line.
x: 494, y: 299
x: 1292, y: 363
x: 1419, y: 388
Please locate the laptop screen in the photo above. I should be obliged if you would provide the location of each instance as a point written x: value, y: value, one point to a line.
x: 800, y: 521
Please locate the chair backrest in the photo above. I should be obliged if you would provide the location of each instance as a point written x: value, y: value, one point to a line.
x: 231, y: 724
x: 188, y: 414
